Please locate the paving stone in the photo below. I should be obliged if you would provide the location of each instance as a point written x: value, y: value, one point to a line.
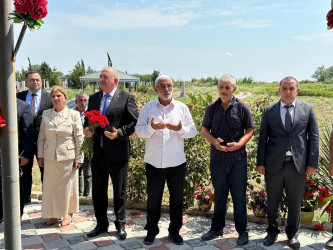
x: 196, y: 243
x: 41, y: 225
x: 130, y: 223
x: 56, y: 244
x: 35, y: 247
x: 102, y: 243
x: 80, y: 219
x: 112, y: 247
x: 173, y: 246
x: 27, y: 227
x: 28, y: 233
x: 84, y: 246
x: 34, y: 215
x: 131, y: 245
x: 50, y: 237
x: 254, y: 247
x: 224, y: 245
x: 32, y: 240
x: 69, y: 227
x: 206, y: 247
x: 71, y: 234
x: 317, y: 246
x: 76, y: 239
x: 159, y: 248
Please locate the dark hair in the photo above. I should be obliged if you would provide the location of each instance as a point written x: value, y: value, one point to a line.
x: 289, y: 78
x: 31, y: 72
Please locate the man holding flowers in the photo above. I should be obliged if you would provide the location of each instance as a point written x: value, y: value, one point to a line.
x: 228, y: 125
x: 111, y: 149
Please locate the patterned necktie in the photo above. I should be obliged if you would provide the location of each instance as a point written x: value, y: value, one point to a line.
x: 33, y: 105
x: 105, y: 108
x: 288, y: 121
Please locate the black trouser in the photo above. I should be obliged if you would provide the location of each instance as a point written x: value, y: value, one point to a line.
x: 293, y: 183
x: 27, y: 174
x: 101, y: 170
x: 175, y: 179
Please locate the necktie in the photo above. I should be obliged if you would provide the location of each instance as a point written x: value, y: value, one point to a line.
x: 33, y: 105
x: 105, y: 108
x: 288, y: 121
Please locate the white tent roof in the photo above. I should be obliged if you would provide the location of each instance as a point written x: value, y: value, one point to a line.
x: 123, y: 77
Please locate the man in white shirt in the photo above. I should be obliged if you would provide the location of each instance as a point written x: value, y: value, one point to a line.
x: 165, y: 123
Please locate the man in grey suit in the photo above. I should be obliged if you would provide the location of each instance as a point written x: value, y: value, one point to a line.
x: 288, y: 149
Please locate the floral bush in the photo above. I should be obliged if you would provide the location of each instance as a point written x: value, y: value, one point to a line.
x: 309, y: 197
x: 258, y: 202
x: 204, y: 194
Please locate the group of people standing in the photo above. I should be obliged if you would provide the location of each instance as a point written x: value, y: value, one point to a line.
x: 288, y: 149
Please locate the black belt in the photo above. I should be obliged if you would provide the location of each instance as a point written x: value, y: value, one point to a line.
x: 288, y: 158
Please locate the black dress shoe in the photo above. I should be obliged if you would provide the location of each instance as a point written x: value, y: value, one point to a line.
x: 149, y: 240
x: 269, y: 240
x: 211, y: 234
x: 121, y: 233
x: 176, y: 238
x: 96, y: 231
x: 243, y: 239
x: 294, y: 243
x: 329, y: 243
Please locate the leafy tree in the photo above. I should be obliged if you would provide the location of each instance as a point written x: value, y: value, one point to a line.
x: 77, y: 72
x: 90, y: 70
x: 319, y: 74
x: 155, y: 74
x: 45, y: 71
x: 54, y: 78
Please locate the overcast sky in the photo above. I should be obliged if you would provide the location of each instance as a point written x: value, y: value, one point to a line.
x: 265, y: 39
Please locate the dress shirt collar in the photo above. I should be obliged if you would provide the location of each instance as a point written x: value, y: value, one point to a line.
x: 282, y: 104
x: 38, y: 93
x: 158, y: 104
x: 111, y: 93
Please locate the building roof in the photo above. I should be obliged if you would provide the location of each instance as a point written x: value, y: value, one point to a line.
x: 123, y: 77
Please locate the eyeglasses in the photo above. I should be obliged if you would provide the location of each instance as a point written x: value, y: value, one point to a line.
x: 168, y: 86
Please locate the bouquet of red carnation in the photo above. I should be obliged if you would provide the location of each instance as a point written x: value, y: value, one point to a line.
x: 29, y: 12
x: 95, y: 120
x: 2, y: 121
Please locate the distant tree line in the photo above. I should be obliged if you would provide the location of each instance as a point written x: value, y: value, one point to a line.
x: 323, y: 74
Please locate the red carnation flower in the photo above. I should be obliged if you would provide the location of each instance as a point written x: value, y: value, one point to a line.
x: 319, y: 227
x: 38, y: 10
x: 22, y: 6
x: 329, y: 18
x: 328, y: 209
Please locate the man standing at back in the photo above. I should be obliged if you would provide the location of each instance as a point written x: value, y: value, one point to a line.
x: 288, y: 149
x: 228, y: 125
x: 39, y: 101
x: 81, y: 100
x: 111, y: 150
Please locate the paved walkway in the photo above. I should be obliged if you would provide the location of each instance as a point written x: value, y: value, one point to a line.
x: 37, y: 235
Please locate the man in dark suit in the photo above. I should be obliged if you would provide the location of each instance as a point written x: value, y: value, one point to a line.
x: 288, y: 149
x: 25, y: 142
x: 39, y: 100
x: 111, y: 150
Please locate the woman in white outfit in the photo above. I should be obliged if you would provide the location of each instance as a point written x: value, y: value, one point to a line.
x: 59, y: 143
